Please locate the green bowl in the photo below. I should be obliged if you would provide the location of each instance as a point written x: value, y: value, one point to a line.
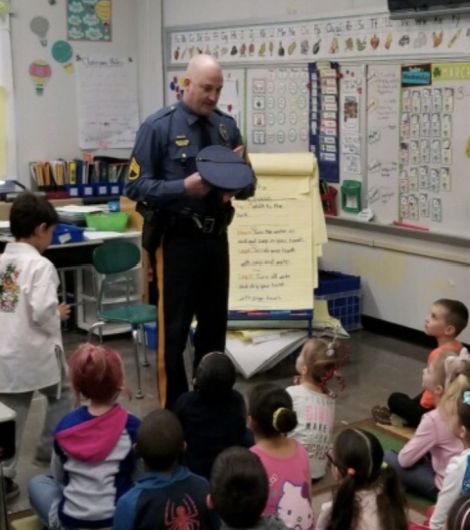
x: 107, y: 222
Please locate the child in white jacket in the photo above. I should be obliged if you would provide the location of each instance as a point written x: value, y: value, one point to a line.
x: 31, y: 356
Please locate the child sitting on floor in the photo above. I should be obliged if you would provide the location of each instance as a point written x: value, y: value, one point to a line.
x: 239, y: 491
x: 446, y: 320
x: 168, y: 496
x: 369, y: 495
x: 271, y: 417
x: 459, y: 514
x: 421, y: 463
x: 456, y: 404
x: 213, y: 415
x: 93, y: 459
x: 313, y: 404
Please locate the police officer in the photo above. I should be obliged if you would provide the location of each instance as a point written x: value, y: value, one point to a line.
x: 188, y: 220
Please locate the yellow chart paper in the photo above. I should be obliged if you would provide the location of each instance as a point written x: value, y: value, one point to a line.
x: 271, y: 255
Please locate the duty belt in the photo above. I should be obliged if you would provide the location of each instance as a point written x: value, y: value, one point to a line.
x: 196, y: 224
x: 205, y: 224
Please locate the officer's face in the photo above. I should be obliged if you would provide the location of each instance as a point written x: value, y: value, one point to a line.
x: 203, y: 89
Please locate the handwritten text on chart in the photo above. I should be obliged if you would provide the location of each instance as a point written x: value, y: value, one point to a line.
x: 271, y: 253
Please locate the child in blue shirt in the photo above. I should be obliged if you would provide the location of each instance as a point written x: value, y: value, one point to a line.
x: 168, y: 496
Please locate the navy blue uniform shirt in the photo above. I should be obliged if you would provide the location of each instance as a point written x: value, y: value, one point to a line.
x: 165, y: 153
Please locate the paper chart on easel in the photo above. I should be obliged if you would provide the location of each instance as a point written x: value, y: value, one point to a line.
x: 271, y: 259
x: 277, y: 109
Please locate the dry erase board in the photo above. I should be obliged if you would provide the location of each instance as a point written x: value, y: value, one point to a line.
x: 418, y: 164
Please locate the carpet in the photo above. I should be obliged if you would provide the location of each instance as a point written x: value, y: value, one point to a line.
x: 392, y: 438
x: 24, y: 520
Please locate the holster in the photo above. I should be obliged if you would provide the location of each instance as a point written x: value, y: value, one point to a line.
x: 154, y: 226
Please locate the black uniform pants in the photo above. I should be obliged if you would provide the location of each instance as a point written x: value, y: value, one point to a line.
x: 193, y: 279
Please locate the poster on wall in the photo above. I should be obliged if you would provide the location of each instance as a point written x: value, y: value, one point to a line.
x: 352, y: 93
x: 323, y: 119
x: 89, y: 20
x: 277, y: 109
x: 231, y: 99
x: 108, y: 114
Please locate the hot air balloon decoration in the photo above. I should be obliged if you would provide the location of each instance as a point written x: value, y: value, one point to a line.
x: 40, y: 26
x: 40, y: 71
x: 63, y: 53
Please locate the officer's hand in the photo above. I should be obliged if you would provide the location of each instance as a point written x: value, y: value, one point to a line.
x: 195, y: 186
x: 239, y: 150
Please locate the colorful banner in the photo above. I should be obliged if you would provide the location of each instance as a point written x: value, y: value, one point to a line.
x: 374, y: 36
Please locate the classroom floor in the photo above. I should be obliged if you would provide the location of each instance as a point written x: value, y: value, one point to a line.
x: 376, y: 366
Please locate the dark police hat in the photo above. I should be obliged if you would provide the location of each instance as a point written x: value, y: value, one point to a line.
x: 224, y: 169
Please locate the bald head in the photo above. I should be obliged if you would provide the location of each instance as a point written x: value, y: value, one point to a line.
x: 203, y: 84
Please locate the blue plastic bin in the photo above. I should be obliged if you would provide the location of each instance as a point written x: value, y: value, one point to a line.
x: 67, y: 234
x: 343, y: 295
x: 151, y: 338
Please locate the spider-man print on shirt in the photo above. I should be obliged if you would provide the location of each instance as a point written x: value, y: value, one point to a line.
x: 182, y: 516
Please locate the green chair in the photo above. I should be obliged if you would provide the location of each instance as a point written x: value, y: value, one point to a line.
x: 115, y: 261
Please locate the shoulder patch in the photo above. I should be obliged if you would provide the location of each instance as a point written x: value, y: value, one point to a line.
x: 134, y: 169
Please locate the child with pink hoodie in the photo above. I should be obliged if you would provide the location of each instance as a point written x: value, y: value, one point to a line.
x: 93, y: 459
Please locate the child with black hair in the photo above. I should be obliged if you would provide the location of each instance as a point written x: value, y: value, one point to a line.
x: 168, y: 496
x: 271, y: 417
x: 239, y: 491
x: 459, y: 514
x: 313, y: 403
x: 369, y: 494
x: 213, y: 415
x: 31, y: 351
x: 93, y: 447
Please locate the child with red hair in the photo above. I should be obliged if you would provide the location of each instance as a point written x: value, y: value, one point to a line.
x: 93, y: 454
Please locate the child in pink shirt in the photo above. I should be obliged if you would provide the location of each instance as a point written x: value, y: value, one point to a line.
x: 422, y: 462
x: 285, y: 460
